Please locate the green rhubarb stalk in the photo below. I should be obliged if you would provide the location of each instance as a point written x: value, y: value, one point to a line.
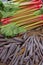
x: 36, y: 13
x: 29, y: 27
x: 33, y: 27
x: 21, y: 22
x: 33, y: 24
x: 23, y: 16
x: 24, y: 13
x: 29, y: 21
x: 21, y: 12
x: 20, y: 18
x: 24, y: 10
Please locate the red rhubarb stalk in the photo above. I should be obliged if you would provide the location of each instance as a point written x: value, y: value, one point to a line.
x: 8, y: 20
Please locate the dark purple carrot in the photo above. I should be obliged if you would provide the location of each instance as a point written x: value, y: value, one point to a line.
x: 14, y: 55
x: 3, y: 40
x: 28, y: 39
x: 7, y: 46
x: 25, y: 36
x: 19, y: 57
x: 10, y: 57
x: 26, y: 58
x: 40, y: 63
x: 3, y: 52
x: 18, y: 39
x: 22, y: 58
x: 3, y: 57
x: 41, y: 47
x: 9, y: 52
x: 4, y: 43
x: 14, y: 61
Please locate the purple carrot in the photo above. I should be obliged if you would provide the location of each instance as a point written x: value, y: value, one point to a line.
x: 14, y: 55
x: 10, y: 51
x: 3, y: 52
x: 25, y: 36
x: 3, y: 57
x: 18, y: 39
x: 19, y: 57
x: 23, y: 56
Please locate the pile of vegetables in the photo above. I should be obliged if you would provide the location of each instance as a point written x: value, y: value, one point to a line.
x: 21, y: 33
x: 25, y: 49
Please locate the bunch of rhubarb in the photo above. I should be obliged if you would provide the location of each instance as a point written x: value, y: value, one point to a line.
x: 23, y: 20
